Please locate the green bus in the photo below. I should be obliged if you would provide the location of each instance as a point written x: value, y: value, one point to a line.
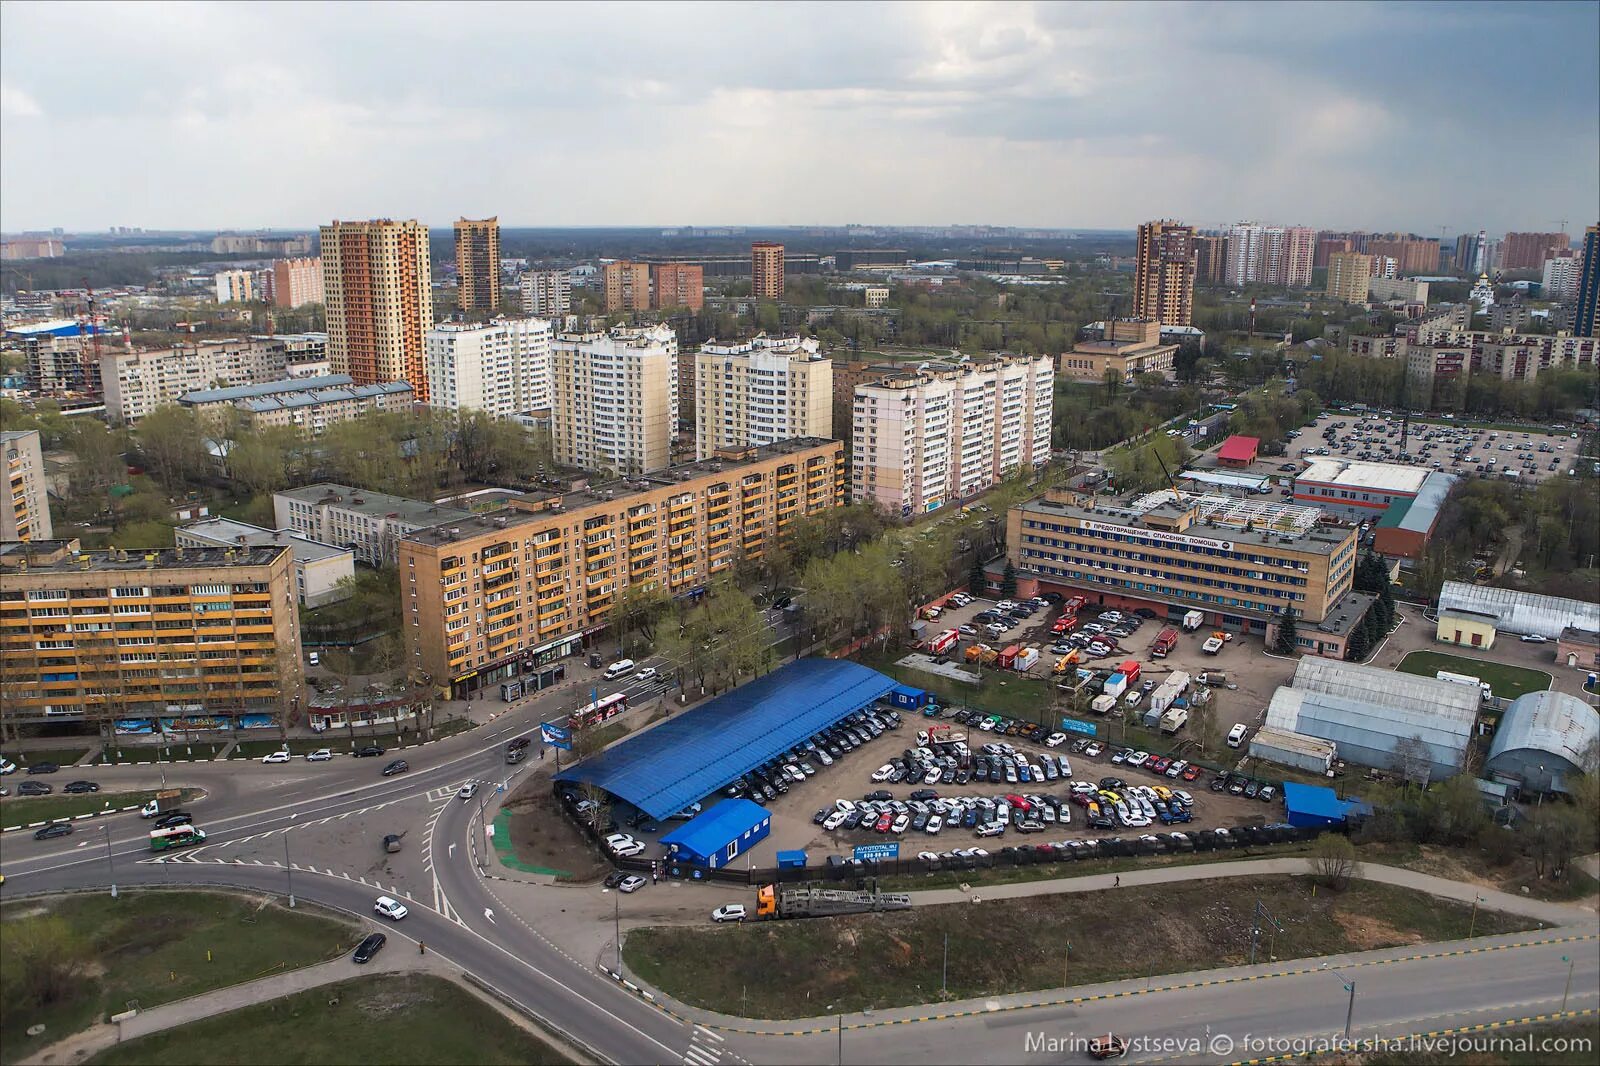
x: 179, y: 836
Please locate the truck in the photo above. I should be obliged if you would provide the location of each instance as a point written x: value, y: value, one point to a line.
x: 1130, y: 670
x: 812, y: 901
x: 1485, y: 691
x: 1008, y: 658
x: 1026, y: 659
x: 1073, y: 605
x: 166, y: 800
x: 943, y: 642
x: 989, y: 656
x: 1217, y: 678
x: 1169, y: 691
x: 1165, y: 641
x: 1212, y: 645
x: 1116, y: 685
x: 1103, y: 704
x: 1193, y: 620
x: 1174, y: 720
x: 975, y: 652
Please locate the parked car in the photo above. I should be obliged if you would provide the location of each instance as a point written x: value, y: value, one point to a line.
x: 369, y: 947
x: 729, y: 912
x: 368, y: 751
x: 43, y: 768
x: 278, y: 756
x: 34, y: 788
x: 631, y: 883
x: 324, y: 755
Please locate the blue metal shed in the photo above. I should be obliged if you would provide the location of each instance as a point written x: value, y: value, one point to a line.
x: 663, y: 770
x: 1318, y: 805
x: 906, y: 696
x: 720, y: 835
x: 791, y: 858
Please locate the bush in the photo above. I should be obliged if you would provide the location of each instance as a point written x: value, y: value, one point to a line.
x: 1333, y: 860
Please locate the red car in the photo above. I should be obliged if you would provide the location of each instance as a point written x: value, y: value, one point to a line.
x: 884, y: 822
x: 1019, y: 804
x: 1191, y: 772
x: 1158, y: 766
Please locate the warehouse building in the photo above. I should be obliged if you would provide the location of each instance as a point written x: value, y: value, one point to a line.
x: 1318, y: 806
x: 1544, y: 741
x: 1408, y: 525
x: 1380, y: 718
x: 720, y: 835
x: 1518, y: 613
x: 687, y: 758
x: 1350, y: 488
x: 1239, y: 560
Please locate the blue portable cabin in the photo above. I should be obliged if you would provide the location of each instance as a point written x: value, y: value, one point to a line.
x: 720, y: 835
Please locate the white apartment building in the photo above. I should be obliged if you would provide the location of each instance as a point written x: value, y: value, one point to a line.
x: 235, y: 286
x: 945, y: 433
x: 370, y: 524
x: 1270, y: 255
x: 1561, y: 277
x: 546, y: 293
x: 25, y: 511
x: 136, y: 383
x: 614, y: 398
x: 759, y: 392
x: 500, y: 367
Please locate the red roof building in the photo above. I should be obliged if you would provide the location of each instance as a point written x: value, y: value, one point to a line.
x: 1238, y: 451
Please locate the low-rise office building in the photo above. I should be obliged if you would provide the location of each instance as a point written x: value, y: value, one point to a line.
x: 368, y: 523
x: 1240, y: 561
x: 1351, y: 488
x: 318, y: 568
x: 1128, y: 348
x: 486, y: 597
x: 179, y: 638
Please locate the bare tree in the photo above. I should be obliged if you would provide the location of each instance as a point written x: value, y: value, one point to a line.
x: 1413, y: 760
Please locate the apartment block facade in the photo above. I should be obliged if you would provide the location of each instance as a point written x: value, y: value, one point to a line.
x: 307, y: 405
x: 1559, y: 280
x: 1270, y: 255
x: 296, y: 282
x: 378, y: 291
x: 501, y: 367
x: 368, y: 523
x: 627, y: 286
x: 766, y: 270
x: 492, y: 595
x: 478, y: 264
x: 1349, y: 274
x: 1586, y: 322
x: 185, y: 635
x: 1413, y: 254
x: 1210, y: 259
x: 1163, y: 279
x: 546, y: 293
x: 925, y: 439
x: 136, y: 383
x: 678, y: 285
x: 1528, y: 251
x: 25, y: 512
x: 235, y: 286
x: 614, y: 398
x: 760, y: 392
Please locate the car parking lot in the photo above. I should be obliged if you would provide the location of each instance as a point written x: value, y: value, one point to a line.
x: 1530, y: 454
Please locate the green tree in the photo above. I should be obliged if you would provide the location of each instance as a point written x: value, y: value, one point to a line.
x: 1288, y: 639
x: 977, y: 581
x: 45, y: 960
x: 1008, y: 581
x: 636, y: 610
x: 99, y: 454
x: 171, y: 441
x: 1333, y: 860
x: 259, y: 462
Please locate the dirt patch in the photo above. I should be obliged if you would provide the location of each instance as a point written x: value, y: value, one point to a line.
x: 1366, y: 931
x: 542, y: 835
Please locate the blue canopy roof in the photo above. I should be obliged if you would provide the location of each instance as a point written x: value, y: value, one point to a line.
x: 710, y: 832
x: 663, y: 770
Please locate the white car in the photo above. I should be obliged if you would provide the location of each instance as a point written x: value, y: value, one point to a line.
x: 729, y: 912
x: 882, y: 774
x: 991, y: 829
x: 278, y: 756
x: 619, y: 840
x: 1138, y: 758
x: 1534, y: 638
x: 320, y: 755
x: 468, y: 790
x: 392, y: 909
x: 628, y: 851
x: 631, y: 883
x: 649, y: 673
x: 935, y: 823
x: 900, y: 823
x: 1055, y: 740
x: 835, y: 820
x: 7, y: 767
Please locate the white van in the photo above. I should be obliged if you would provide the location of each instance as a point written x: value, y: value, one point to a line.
x: 618, y: 668
x: 1236, y: 736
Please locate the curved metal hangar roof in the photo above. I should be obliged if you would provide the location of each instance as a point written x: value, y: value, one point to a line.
x: 663, y: 770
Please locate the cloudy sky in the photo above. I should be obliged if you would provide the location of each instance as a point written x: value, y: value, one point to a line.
x: 1055, y: 114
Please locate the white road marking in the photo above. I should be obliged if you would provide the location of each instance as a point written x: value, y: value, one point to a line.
x: 708, y: 1034
x: 489, y: 914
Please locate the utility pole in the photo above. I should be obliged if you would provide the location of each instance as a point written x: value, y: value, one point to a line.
x: 110, y: 862
x: 616, y: 926
x: 944, y: 977
x: 288, y: 867
x: 1473, y: 924
x: 1571, y: 962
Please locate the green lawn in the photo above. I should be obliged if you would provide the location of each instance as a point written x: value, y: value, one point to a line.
x: 115, y: 755
x: 1508, y: 682
x: 63, y: 757
x: 1010, y: 694
x: 20, y: 810
x: 1039, y: 942
x: 149, y: 947
x: 383, y: 1019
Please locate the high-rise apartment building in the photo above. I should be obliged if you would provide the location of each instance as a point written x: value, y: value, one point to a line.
x: 1210, y: 259
x: 1270, y: 255
x: 1163, y: 279
x: 235, y: 286
x: 1468, y: 258
x: 678, y: 285
x: 296, y: 282
x: 546, y: 293
x: 760, y: 392
x: 25, y: 512
x: 1586, y: 322
x: 1560, y: 278
x: 501, y: 367
x: 185, y: 633
x: 497, y: 594
x: 766, y: 270
x: 627, y: 286
x: 937, y: 436
x: 1349, y: 274
x: 1528, y: 251
x: 378, y: 289
x: 614, y: 398
x: 1415, y: 255
x: 1327, y: 246
x: 478, y: 264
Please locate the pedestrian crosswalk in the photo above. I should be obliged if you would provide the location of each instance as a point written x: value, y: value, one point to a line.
x: 705, y: 1049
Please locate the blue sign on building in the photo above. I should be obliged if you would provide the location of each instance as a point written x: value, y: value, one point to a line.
x: 1072, y: 725
x: 875, y: 852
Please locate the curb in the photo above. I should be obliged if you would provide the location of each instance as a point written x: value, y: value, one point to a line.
x: 71, y: 818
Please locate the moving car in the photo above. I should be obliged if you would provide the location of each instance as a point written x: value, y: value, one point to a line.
x: 649, y: 673
x: 631, y: 883
x: 368, y: 751
x: 172, y: 818
x: 392, y: 909
x: 76, y: 787
x: 34, y: 788
x: 468, y: 790
x: 399, y: 766
x: 277, y: 757
x: 729, y: 912
x: 54, y: 829
x: 369, y: 947
x: 321, y: 755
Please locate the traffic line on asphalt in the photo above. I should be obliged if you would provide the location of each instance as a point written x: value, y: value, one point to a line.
x: 1436, y: 1034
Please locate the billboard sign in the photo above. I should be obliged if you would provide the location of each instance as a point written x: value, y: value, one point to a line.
x: 876, y: 852
x: 1072, y: 725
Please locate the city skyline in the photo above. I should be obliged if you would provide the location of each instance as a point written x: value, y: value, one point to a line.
x: 1332, y: 116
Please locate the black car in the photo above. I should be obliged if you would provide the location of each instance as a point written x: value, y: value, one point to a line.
x: 924, y: 794
x: 172, y: 818
x: 1113, y: 783
x: 54, y: 829
x: 34, y: 788
x: 369, y: 750
x: 43, y: 768
x: 1219, y: 783
x: 880, y: 794
x: 80, y: 786
x: 369, y: 947
x: 399, y: 766
x: 820, y: 817
x: 614, y: 878
x: 853, y: 820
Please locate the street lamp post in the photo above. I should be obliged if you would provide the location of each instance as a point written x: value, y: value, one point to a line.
x: 1350, y: 986
x: 1472, y: 924
x: 288, y: 867
x: 110, y: 862
x: 616, y: 926
x: 1571, y: 962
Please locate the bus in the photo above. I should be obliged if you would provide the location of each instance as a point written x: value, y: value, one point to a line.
x: 179, y: 836
x: 599, y: 711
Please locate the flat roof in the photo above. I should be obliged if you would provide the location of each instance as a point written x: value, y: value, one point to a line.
x: 1355, y: 474
x: 1316, y: 540
x: 227, y: 532
x: 266, y: 388
x: 1225, y: 479
x: 376, y: 504
x: 684, y: 759
x: 311, y: 397
x: 158, y: 558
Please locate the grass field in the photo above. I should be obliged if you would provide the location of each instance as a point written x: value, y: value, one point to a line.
x: 20, y: 810
x: 1508, y: 682
x: 151, y: 947
x: 383, y: 1019
x: 1013, y: 695
x: 895, y: 959
x: 63, y: 757
x: 143, y: 754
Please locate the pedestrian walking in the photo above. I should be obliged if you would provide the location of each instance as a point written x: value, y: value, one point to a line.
x: 1118, y: 882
